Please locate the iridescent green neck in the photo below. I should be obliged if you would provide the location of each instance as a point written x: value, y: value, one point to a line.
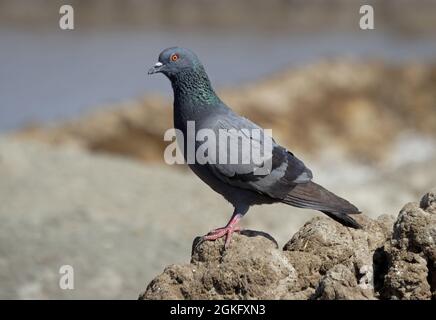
x: 192, y: 86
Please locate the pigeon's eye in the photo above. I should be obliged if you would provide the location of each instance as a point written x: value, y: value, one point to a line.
x: 174, y: 57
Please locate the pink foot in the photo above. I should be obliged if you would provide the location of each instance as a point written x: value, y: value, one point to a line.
x: 226, y: 231
x: 221, y: 232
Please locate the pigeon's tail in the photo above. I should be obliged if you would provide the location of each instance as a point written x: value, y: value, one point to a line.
x: 313, y: 196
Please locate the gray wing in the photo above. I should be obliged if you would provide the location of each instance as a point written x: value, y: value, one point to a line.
x: 279, y: 171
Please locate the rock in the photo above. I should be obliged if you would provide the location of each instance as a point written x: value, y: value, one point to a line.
x: 407, y: 277
x: 428, y: 202
x: 323, y: 260
x: 253, y: 268
x: 411, y: 254
x: 322, y: 244
x: 340, y: 283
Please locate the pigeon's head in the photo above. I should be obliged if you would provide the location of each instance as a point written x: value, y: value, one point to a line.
x: 175, y: 60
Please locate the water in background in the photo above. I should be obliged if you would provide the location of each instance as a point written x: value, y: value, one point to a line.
x: 52, y: 75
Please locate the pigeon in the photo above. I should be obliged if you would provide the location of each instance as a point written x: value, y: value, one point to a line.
x: 288, y: 181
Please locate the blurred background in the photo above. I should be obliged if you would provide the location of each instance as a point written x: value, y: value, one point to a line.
x: 82, y: 177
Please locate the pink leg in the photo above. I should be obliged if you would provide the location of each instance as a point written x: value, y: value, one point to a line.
x: 226, y: 231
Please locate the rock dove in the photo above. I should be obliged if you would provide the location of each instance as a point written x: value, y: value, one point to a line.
x: 289, y: 181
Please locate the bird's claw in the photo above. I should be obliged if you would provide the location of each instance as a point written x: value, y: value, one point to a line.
x: 221, y: 232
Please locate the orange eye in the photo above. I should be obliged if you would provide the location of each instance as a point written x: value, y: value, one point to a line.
x: 174, y: 57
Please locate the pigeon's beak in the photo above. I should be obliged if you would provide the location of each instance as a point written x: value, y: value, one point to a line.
x: 156, y: 68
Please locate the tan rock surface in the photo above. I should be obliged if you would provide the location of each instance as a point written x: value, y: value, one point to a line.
x: 323, y: 260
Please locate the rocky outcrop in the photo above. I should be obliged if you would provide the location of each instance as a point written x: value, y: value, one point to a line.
x: 386, y: 259
x: 411, y: 253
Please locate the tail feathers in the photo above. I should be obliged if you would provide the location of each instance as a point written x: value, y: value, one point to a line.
x: 313, y: 196
x: 344, y: 219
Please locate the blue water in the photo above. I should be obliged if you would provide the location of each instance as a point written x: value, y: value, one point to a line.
x: 47, y: 76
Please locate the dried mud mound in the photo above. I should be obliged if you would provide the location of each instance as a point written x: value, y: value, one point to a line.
x: 386, y: 259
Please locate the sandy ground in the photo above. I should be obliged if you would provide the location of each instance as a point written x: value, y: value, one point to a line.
x: 119, y: 222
